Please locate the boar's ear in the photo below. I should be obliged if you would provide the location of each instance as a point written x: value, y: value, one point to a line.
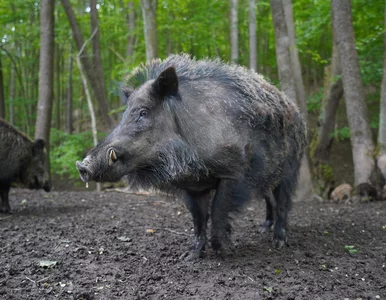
x: 167, y: 82
x: 125, y: 93
x: 38, y: 146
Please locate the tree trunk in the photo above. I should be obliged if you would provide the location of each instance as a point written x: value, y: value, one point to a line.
x: 149, y: 12
x: 12, y: 97
x: 69, y: 120
x: 304, y: 190
x: 89, y: 102
x: 234, y: 30
x: 130, y: 44
x: 99, y: 90
x: 361, y: 138
x: 57, y: 96
x: 381, y: 161
x: 252, y: 35
x: 296, y: 68
x: 46, y: 74
x: 333, y: 94
x: 2, y: 94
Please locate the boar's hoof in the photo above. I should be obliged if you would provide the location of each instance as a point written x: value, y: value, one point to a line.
x: 197, y: 249
x: 266, y: 226
x: 5, y: 210
x: 279, y: 242
x: 193, y: 255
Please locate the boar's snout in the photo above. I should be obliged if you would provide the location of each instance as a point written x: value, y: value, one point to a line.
x: 85, y: 172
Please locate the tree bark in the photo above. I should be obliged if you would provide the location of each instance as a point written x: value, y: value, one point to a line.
x: 46, y: 71
x: 57, y: 96
x: 12, y: 97
x: 149, y: 12
x: 97, y: 59
x: 131, y: 19
x: 46, y: 75
x: 99, y: 90
x: 69, y: 120
x: 88, y: 97
x: 305, y: 189
x: 330, y: 106
x: 233, y: 5
x: 2, y: 94
x: 252, y: 35
x: 361, y: 137
x: 381, y: 161
x: 296, y: 68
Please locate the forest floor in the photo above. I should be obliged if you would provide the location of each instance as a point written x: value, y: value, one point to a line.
x: 114, y: 245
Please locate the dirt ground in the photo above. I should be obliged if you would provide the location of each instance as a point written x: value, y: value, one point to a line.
x: 112, y: 245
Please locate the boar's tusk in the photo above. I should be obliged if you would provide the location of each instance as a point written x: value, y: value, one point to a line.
x: 112, y: 157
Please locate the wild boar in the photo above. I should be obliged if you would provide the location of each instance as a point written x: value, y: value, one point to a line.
x: 193, y: 126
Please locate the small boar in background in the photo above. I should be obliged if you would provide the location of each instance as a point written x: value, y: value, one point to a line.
x: 21, y: 161
x: 193, y: 126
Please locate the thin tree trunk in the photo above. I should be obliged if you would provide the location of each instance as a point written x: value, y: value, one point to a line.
x: 296, y: 68
x: 130, y: 44
x: 381, y: 161
x: 149, y: 12
x: 334, y: 92
x: 2, y: 94
x: 252, y: 35
x: 57, y: 98
x: 234, y: 30
x: 69, y: 120
x: 88, y: 97
x: 361, y: 137
x: 97, y: 60
x: 12, y: 97
x: 305, y: 189
x: 99, y: 91
x: 46, y: 74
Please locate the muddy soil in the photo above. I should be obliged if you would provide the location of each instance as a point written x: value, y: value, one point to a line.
x: 112, y: 245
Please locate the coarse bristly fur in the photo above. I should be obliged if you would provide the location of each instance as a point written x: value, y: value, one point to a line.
x: 22, y: 161
x: 260, y: 103
x: 207, y: 125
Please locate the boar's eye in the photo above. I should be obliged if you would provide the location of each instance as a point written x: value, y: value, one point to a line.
x: 143, y: 113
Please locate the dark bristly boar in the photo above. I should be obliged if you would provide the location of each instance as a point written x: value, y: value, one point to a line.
x: 193, y: 126
x: 21, y: 161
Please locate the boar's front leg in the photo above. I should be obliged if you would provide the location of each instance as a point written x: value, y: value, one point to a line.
x: 4, y: 192
x: 198, y: 203
x: 269, y: 219
x: 230, y: 195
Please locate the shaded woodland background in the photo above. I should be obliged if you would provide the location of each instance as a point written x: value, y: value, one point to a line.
x: 42, y: 94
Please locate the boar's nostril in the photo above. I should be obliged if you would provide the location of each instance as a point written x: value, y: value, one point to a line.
x: 112, y: 156
x: 83, y: 171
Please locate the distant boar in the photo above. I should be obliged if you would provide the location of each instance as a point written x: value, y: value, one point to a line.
x: 341, y: 193
x: 195, y: 126
x: 21, y: 161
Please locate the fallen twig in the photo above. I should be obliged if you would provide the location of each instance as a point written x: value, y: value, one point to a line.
x: 176, y: 232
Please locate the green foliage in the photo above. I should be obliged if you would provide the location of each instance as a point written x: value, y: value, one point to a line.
x: 341, y: 134
x: 314, y: 102
x: 351, y: 249
x: 66, y: 149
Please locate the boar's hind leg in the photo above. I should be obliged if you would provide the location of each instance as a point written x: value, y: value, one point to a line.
x: 282, y: 194
x: 269, y: 219
x: 198, y: 203
x: 4, y: 191
x: 230, y: 195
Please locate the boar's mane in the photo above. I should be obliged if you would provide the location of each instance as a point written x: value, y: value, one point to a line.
x: 258, y: 99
